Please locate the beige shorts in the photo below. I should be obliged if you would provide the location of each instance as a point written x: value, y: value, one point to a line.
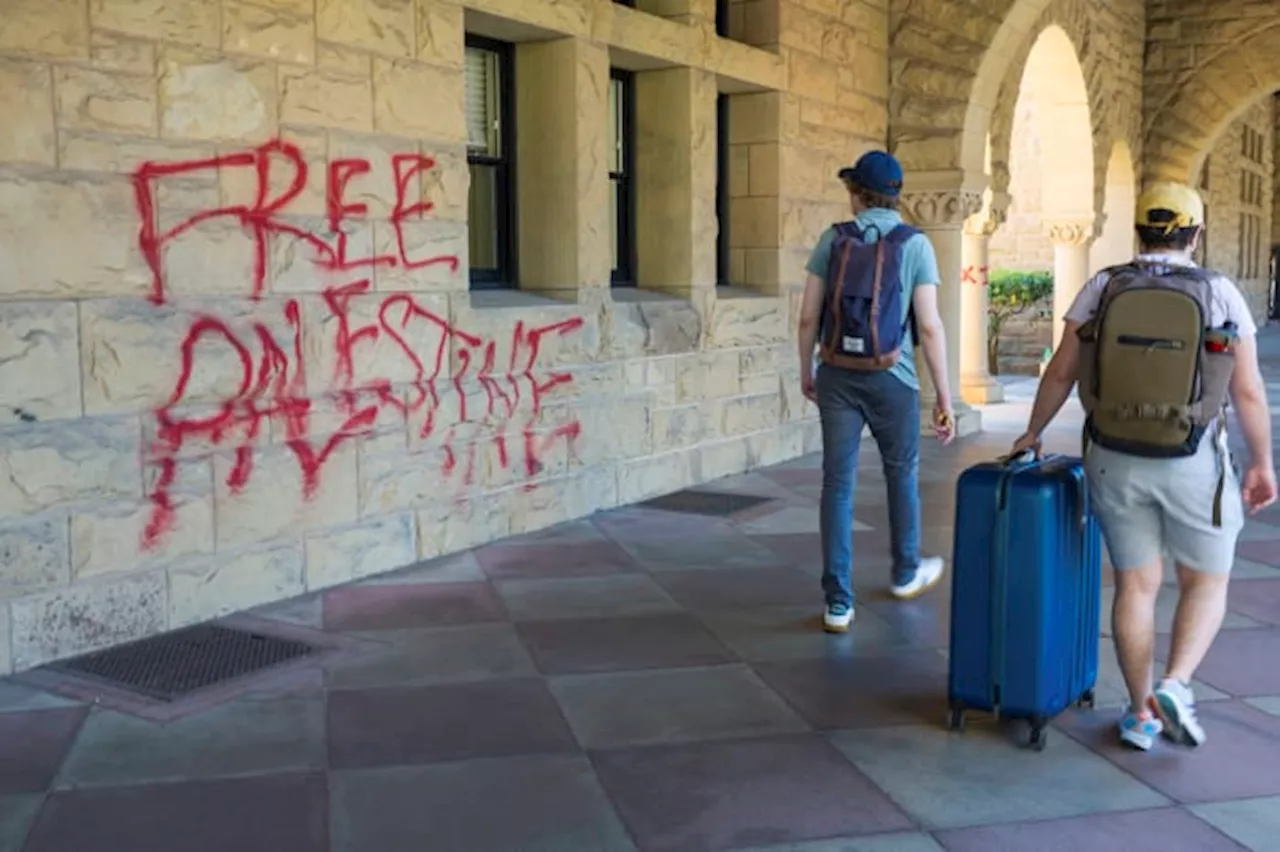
x: 1149, y: 508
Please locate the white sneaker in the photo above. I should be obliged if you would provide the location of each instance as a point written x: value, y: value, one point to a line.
x: 1176, y: 706
x: 836, y: 618
x: 928, y: 573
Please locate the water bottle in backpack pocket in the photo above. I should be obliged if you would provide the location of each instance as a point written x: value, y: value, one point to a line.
x: 863, y: 313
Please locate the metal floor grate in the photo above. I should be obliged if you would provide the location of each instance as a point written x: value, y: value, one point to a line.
x: 695, y: 502
x: 173, y: 665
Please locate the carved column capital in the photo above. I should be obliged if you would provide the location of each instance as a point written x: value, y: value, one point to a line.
x: 1071, y: 232
x: 938, y: 209
x: 994, y: 213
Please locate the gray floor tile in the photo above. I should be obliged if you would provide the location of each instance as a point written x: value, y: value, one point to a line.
x: 795, y: 633
x: 1246, y: 569
x: 1254, y: 823
x: 16, y: 698
x: 1164, y: 830
x: 238, y: 738
x: 718, y: 795
x: 1268, y: 704
x: 791, y: 519
x: 455, y: 568
x: 946, y: 780
x: 307, y: 610
x: 17, y: 813
x: 639, y: 708
x: 720, y: 553
x: 881, y: 843
x: 533, y: 804
x: 584, y: 597
x: 419, y: 657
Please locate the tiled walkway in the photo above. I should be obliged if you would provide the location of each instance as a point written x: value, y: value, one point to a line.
x: 656, y: 681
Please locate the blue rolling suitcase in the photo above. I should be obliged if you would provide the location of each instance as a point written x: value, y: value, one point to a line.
x: 1026, y: 590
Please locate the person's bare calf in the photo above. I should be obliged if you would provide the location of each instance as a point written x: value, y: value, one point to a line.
x: 1202, y: 605
x: 1133, y: 622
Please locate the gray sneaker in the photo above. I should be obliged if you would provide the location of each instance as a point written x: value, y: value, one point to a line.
x: 1176, y: 706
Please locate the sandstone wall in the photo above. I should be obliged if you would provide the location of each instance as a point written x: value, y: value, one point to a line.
x: 1238, y: 185
x: 239, y: 355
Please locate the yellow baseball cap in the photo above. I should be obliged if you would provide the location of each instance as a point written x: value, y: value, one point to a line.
x: 1178, y: 199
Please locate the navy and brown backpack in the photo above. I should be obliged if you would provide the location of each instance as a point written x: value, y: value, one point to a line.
x: 862, y: 318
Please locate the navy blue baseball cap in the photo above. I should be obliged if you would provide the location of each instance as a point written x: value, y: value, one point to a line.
x: 875, y: 171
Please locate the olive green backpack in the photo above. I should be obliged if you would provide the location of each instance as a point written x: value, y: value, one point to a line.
x: 1148, y: 385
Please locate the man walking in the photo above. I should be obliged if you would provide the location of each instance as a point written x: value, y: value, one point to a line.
x: 1161, y: 478
x: 869, y: 281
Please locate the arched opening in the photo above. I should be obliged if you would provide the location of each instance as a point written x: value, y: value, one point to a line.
x: 1116, y: 242
x: 1051, y: 171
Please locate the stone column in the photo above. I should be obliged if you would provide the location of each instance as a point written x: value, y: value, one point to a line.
x: 977, y: 386
x: 941, y: 214
x: 1071, y: 239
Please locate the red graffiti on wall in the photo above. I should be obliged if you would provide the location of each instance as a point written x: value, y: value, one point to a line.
x: 427, y: 364
x: 976, y: 275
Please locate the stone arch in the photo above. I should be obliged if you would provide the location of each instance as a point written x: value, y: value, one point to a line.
x: 1116, y: 242
x: 1193, y: 111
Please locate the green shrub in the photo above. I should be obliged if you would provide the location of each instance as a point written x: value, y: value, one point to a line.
x: 1009, y: 293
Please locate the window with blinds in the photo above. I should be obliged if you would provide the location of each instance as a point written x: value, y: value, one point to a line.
x: 488, y: 115
x: 621, y: 159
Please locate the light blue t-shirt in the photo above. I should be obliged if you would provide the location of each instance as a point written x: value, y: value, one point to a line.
x: 919, y: 268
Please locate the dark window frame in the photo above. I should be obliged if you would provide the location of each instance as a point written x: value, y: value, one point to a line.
x: 506, y: 275
x: 723, y: 251
x: 630, y: 3
x: 624, y: 183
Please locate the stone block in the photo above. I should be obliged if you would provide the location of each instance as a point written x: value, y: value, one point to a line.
x: 116, y: 52
x: 567, y: 17
x: 454, y: 525
x: 39, y: 361
x: 640, y: 479
x: 326, y: 98
x: 26, y: 98
x: 113, y: 539
x: 755, y: 413
x: 593, y: 490
x: 62, y: 463
x: 446, y: 185
x: 723, y: 458
x: 56, y: 29
x: 747, y: 321
x: 812, y: 77
x: 379, y: 26
x: 86, y: 617
x: 96, y: 152
x: 437, y: 251
x: 239, y: 186
x: 754, y: 118
x: 131, y: 351
x: 706, y: 375
x: 79, y: 236
x: 665, y: 327
x: 755, y: 222
x: 105, y: 101
x: 33, y: 555
x: 268, y: 31
x: 373, y: 547
x: 441, y: 32
x: 289, y: 489
x: 223, y: 99
x: 681, y: 426
x: 418, y: 101
x: 335, y: 57
x: 210, y: 588
x: 191, y: 22
x: 390, y: 483
x: 765, y: 163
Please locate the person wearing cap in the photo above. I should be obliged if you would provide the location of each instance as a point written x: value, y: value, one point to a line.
x: 1151, y: 506
x: 888, y: 401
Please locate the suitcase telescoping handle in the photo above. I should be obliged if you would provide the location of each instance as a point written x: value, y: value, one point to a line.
x: 1018, y: 462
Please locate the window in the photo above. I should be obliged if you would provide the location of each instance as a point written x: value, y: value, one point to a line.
x: 622, y: 174
x: 490, y: 155
x: 722, y: 18
x: 631, y: 3
x: 722, y: 189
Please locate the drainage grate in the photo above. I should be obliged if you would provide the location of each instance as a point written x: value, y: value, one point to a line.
x: 695, y: 502
x: 172, y: 665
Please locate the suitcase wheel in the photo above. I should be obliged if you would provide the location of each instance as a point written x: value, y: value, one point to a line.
x: 1088, y: 700
x: 956, y: 719
x: 1039, y: 735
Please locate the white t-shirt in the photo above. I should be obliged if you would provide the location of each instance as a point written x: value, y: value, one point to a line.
x: 1227, y: 302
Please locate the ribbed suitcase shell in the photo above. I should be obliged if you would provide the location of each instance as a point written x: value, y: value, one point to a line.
x: 1026, y: 591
